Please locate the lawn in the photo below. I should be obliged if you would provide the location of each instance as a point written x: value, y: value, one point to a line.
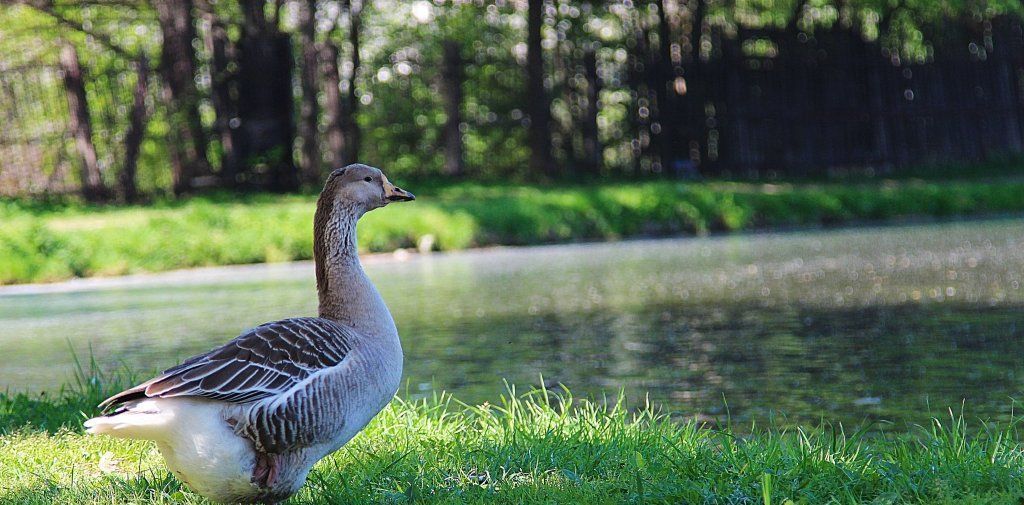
x: 534, y: 447
x: 42, y: 242
x: 531, y: 448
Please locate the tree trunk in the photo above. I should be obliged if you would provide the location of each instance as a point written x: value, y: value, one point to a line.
x: 81, y: 124
x: 451, y: 89
x: 638, y: 59
x: 539, y: 102
x: 334, y: 105
x: 564, y: 132
x: 669, y: 148
x: 692, y: 93
x: 178, y: 69
x: 221, y: 52
x: 265, y: 134
x: 136, y: 130
x: 592, y: 151
x: 352, y: 133
x: 309, y: 110
x: 254, y: 16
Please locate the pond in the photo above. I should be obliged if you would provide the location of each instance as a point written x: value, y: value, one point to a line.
x: 858, y: 325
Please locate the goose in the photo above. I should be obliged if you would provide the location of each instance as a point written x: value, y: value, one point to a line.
x: 246, y: 421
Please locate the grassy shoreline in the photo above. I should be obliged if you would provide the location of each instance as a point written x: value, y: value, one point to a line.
x: 41, y: 243
x: 532, y: 448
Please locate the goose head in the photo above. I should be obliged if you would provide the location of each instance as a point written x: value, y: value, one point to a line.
x: 363, y: 187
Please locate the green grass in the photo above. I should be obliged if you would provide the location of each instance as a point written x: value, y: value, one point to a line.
x: 533, y: 448
x: 45, y: 242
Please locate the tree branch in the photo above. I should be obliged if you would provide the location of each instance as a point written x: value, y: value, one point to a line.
x: 47, y: 7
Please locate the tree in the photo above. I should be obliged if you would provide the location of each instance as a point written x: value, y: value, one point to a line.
x: 309, y: 110
x: 669, y: 149
x: 265, y: 126
x: 525, y: 89
x: 136, y: 130
x: 334, y: 104
x: 221, y: 52
x: 689, y: 87
x: 81, y: 124
x: 452, y: 77
x: 177, y: 71
x: 576, y: 78
x: 354, y: 8
x: 342, y: 131
x: 592, y: 150
x: 538, y: 101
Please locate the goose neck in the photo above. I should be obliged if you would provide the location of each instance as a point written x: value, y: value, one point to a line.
x: 346, y: 294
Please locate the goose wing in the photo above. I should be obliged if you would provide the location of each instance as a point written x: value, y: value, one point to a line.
x: 265, y: 361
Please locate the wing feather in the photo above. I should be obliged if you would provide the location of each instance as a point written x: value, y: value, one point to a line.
x: 262, y: 362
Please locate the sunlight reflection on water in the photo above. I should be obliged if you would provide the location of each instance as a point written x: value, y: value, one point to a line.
x: 875, y: 323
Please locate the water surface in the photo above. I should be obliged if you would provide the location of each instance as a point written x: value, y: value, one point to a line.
x: 894, y: 323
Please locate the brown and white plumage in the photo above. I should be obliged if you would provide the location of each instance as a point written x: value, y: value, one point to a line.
x: 246, y: 421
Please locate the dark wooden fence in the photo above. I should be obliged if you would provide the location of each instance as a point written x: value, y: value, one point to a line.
x: 832, y: 100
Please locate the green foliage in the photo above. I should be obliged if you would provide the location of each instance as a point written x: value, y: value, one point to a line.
x: 397, y: 85
x: 45, y: 242
x: 537, y: 447
x: 402, y: 113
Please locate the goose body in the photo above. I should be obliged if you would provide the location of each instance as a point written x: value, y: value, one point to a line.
x: 246, y: 421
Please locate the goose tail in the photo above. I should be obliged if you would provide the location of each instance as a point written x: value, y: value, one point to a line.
x: 143, y: 420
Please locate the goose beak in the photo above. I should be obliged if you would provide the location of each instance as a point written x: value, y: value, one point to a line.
x: 394, y: 193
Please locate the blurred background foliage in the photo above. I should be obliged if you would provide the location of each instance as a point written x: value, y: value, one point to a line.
x: 180, y: 96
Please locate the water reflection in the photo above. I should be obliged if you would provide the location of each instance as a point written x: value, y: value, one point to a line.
x: 867, y: 324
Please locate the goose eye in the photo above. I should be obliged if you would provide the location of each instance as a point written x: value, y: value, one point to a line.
x: 368, y: 179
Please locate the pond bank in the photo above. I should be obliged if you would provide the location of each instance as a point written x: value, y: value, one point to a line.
x: 538, y: 447
x: 41, y: 243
